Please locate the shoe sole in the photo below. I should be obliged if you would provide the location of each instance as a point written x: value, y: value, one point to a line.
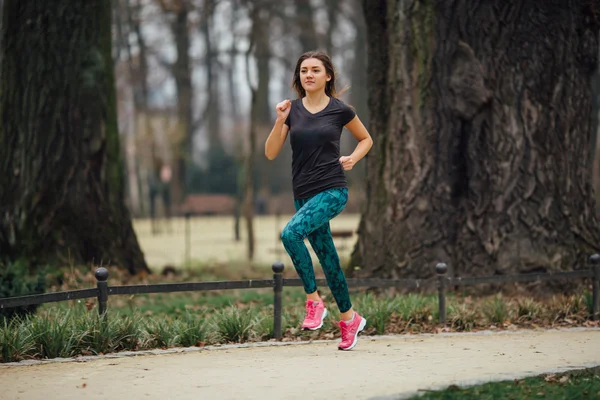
x: 361, y: 326
x: 320, y: 325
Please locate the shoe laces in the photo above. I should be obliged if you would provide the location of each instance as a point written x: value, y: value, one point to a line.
x: 345, y: 330
x: 311, y: 309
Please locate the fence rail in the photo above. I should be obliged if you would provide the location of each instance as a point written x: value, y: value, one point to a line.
x: 441, y: 281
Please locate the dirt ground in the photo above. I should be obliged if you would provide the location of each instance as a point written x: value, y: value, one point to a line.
x: 385, y: 367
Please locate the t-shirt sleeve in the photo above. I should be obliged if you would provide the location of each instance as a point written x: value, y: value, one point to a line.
x: 287, y: 120
x: 347, y: 114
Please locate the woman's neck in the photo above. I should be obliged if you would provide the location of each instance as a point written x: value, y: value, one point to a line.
x: 316, y: 99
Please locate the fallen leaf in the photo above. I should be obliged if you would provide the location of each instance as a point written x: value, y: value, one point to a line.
x: 564, y: 379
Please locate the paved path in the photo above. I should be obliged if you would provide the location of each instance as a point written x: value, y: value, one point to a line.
x: 378, y: 368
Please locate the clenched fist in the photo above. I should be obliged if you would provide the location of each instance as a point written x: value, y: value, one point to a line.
x: 283, y: 109
x: 347, y: 163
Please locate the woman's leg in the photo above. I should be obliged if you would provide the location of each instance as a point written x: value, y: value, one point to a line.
x: 311, y: 214
x: 323, y: 245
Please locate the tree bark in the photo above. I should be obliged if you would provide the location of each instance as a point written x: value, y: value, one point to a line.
x: 182, y: 73
x: 213, y: 110
x: 333, y: 10
x: 61, y: 176
x: 141, y: 159
x: 595, y: 118
x: 358, y: 90
x: 307, y: 33
x: 480, y: 113
x: 262, y: 53
x: 1, y: 22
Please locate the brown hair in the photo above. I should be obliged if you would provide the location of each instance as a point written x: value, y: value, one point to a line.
x: 329, y: 69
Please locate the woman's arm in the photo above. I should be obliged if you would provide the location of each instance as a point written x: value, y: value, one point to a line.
x: 365, y: 142
x: 279, y: 132
x: 276, y: 139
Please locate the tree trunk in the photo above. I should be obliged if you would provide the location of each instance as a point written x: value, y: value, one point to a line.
x: 61, y: 174
x: 358, y: 89
x: 213, y: 110
x: 1, y: 22
x: 595, y: 126
x: 182, y: 73
x: 234, y: 114
x: 142, y: 157
x: 260, y: 31
x: 333, y: 10
x: 249, y: 181
x: 256, y: 45
x: 307, y: 33
x: 480, y: 113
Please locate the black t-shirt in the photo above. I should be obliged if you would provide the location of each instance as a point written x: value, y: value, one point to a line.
x: 315, y: 140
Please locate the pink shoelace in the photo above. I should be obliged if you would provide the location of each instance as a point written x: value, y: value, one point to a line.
x: 345, y: 331
x: 311, y: 310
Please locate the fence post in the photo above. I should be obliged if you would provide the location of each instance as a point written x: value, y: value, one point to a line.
x: 277, y: 289
x: 441, y: 270
x: 101, y: 275
x: 595, y: 265
x: 188, y: 238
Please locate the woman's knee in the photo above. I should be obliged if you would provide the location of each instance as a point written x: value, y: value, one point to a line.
x: 290, y: 235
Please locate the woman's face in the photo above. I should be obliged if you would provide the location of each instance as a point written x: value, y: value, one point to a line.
x: 313, y: 76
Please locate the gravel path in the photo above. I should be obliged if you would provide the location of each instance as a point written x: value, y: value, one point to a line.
x: 389, y: 367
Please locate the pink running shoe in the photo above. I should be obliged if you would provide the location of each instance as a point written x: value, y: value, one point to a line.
x: 350, y: 331
x: 315, y: 314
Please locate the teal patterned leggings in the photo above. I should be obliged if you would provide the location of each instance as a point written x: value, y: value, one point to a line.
x: 312, y: 221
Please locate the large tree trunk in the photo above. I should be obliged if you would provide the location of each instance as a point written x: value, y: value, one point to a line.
x: 480, y: 113
x: 61, y: 179
x: 595, y: 118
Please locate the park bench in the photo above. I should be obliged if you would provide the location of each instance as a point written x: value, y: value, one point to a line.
x: 343, y: 234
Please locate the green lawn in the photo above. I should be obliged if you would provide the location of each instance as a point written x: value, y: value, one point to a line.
x: 573, y: 385
x: 212, y: 240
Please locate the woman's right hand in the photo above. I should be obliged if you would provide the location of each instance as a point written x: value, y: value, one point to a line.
x: 283, y: 109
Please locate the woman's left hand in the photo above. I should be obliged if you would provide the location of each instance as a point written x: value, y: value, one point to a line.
x: 347, y: 163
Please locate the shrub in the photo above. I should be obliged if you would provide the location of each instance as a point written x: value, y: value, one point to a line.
x: 15, y: 281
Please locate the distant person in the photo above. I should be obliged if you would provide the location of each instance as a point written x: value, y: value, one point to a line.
x: 165, y: 179
x: 153, y: 191
x: 315, y: 121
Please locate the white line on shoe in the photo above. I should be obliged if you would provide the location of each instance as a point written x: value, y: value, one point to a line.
x: 321, y: 324
x: 361, y: 326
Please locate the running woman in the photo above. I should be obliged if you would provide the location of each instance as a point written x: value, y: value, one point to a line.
x: 315, y: 121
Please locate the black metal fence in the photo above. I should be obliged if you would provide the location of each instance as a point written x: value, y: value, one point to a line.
x: 103, y: 291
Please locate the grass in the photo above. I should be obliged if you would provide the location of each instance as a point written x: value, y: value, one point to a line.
x: 144, y: 322
x: 573, y: 385
x: 212, y: 240
x: 165, y: 320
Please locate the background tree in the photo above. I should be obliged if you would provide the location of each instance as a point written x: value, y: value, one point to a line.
x: 61, y: 179
x: 480, y: 113
x: 177, y: 12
